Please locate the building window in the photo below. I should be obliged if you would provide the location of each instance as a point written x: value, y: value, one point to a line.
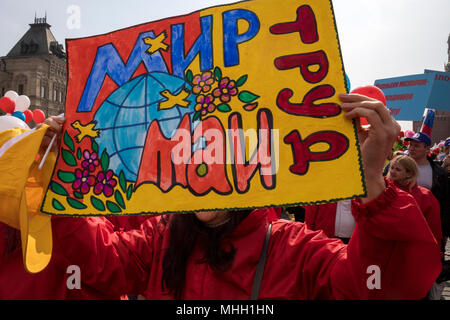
x: 43, y: 92
x: 60, y: 96
x: 3, y: 92
x: 55, y: 95
x: 20, y: 90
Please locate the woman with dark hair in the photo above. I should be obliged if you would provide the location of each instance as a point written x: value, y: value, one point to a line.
x: 218, y: 254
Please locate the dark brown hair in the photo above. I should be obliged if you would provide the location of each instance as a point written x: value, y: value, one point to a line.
x: 185, y: 230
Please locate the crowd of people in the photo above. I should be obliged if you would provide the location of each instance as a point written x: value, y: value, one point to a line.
x: 400, y: 227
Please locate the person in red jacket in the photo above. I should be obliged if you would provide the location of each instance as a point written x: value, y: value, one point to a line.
x: 214, y: 255
x: 404, y: 172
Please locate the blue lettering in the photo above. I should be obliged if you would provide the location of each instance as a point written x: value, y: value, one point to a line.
x: 108, y: 62
x: 231, y: 38
x: 202, y: 46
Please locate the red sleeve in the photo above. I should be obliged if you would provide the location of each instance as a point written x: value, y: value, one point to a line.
x: 107, y: 258
x: 274, y: 214
x: 125, y: 223
x: 432, y: 212
x: 391, y: 233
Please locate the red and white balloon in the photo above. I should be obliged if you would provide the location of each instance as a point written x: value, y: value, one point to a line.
x: 18, y: 106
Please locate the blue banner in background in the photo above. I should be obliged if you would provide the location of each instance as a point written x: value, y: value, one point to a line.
x: 440, y: 92
x: 407, y: 96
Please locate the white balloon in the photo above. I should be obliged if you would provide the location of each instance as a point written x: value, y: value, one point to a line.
x: 10, y: 122
x: 22, y: 103
x: 11, y: 94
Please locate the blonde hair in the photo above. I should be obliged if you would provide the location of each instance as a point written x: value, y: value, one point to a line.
x: 410, y: 166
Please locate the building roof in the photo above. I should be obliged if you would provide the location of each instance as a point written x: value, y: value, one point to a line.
x: 38, y: 40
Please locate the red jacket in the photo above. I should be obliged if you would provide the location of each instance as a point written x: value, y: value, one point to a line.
x: 321, y: 217
x: 430, y: 208
x: 391, y: 233
x: 17, y: 284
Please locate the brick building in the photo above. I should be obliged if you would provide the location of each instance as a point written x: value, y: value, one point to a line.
x: 36, y: 67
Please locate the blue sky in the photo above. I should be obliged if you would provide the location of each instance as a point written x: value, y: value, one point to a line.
x: 379, y: 38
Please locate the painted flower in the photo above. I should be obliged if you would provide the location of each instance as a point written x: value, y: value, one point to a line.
x: 226, y: 89
x: 83, y: 181
x: 105, y: 183
x: 202, y: 82
x: 90, y: 161
x: 205, y: 104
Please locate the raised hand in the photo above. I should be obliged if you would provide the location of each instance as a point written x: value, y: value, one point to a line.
x: 376, y: 141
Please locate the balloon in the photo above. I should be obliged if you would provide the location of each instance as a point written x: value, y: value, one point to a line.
x: 371, y: 92
x: 28, y: 115
x: 347, y: 80
x: 10, y: 122
x: 11, y: 94
x: 7, y: 105
x: 409, y: 133
x: 38, y: 116
x: 22, y: 103
x: 19, y: 114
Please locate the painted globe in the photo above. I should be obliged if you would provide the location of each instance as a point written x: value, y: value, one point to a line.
x: 125, y: 116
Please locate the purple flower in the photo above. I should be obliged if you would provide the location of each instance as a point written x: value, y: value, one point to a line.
x: 202, y: 82
x: 83, y: 181
x: 205, y: 104
x: 227, y: 89
x: 90, y: 161
x: 105, y: 183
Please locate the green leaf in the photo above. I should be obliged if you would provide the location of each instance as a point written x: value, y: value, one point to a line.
x: 78, y: 195
x: 69, y: 142
x: 58, y: 205
x: 94, y: 146
x: 197, y: 116
x: 189, y: 76
x: 218, y: 73
x: 129, y: 191
x: 97, y: 203
x: 122, y: 182
x: 66, y: 177
x: 114, y: 208
x: 58, y: 189
x: 76, y: 204
x: 79, y: 154
x: 247, y: 97
x: 240, y: 82
x: 105, y: 160
x: 224, y: 107
x: 119, y: 199
x: 68, y: 157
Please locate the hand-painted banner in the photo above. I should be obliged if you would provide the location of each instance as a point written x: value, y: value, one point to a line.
x: 233, y: 106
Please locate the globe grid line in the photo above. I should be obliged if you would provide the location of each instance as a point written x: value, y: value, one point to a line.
x: 174, y: 84
x: 114, y: 132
